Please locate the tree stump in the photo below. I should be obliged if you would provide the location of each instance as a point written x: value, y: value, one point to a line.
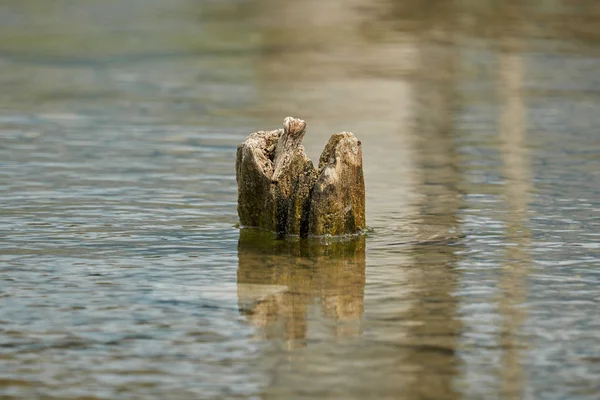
x: 280, y: 190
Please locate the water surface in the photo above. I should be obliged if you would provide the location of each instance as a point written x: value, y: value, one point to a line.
x: 124, y: 276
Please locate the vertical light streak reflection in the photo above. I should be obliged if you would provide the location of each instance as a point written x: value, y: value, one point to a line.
x: 517, y: 175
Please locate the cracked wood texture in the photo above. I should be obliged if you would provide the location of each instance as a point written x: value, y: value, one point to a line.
x: 280, y: 190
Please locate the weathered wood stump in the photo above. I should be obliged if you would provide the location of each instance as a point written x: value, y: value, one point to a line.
x: 280, y: 190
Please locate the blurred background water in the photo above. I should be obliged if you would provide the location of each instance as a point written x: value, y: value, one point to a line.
x: 123, y: 275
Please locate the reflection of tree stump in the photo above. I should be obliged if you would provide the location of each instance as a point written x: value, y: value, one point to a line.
x: 280, y: 190
x: 279, y: 280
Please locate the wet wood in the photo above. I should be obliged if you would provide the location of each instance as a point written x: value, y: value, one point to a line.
x: 337, y: 204
x: 280, y: 190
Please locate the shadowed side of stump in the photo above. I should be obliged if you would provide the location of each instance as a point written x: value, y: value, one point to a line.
x: 254, y: 169
x: 338, y: 199
x: 293, y: 178
x: 275, y: 178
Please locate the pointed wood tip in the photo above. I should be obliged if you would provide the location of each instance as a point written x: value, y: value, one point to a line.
x: 294, y: 126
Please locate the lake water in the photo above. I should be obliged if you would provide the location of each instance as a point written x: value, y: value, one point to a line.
x: 124, y: 275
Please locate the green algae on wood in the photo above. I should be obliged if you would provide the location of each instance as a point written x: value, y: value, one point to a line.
x: 337, y: 204
x: 280, y: 190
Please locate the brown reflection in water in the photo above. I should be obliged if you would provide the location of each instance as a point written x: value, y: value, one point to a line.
x: 280, y: 283
x: 517, y: 174
x: 395, y: 89
x: 424, y: 336
x: 435, y: 101
x: 435, y: 325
